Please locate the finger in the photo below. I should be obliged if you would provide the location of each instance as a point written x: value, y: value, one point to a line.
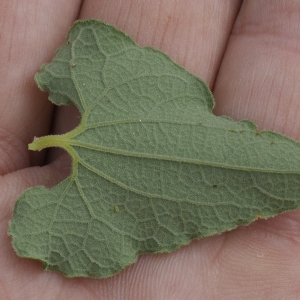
x: 260, y: 261
x: 190, y: 34
x: 193, y: 33
x: 30, y: 31
x: 259, y: 76
x: 258, y: 80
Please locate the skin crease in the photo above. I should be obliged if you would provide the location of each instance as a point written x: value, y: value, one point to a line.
x: 247, y: 51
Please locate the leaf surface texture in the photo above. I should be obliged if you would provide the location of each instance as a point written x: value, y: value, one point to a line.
x: 153, y: 168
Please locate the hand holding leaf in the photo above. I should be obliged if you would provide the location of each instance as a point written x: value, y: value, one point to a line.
x: 257, y: 79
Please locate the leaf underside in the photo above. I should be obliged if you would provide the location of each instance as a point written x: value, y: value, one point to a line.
x: 153, y: 168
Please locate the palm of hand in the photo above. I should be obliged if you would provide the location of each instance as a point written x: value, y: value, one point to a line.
x: 241, y: 54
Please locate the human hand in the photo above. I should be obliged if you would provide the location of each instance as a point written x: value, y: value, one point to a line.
x: 247, y: 56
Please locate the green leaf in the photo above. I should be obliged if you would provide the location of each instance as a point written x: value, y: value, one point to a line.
x: 153, y: 168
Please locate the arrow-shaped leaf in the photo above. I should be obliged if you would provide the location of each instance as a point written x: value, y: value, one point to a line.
x: 153, y: 168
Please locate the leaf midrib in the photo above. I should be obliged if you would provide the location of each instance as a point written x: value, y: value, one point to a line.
x: 176, y: 159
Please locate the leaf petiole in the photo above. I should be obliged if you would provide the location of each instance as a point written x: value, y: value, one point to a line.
x: 43, y: 142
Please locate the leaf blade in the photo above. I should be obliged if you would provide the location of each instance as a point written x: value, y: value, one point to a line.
x: 153, y: 168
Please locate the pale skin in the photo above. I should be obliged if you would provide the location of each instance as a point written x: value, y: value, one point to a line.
x: 248, y: 53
